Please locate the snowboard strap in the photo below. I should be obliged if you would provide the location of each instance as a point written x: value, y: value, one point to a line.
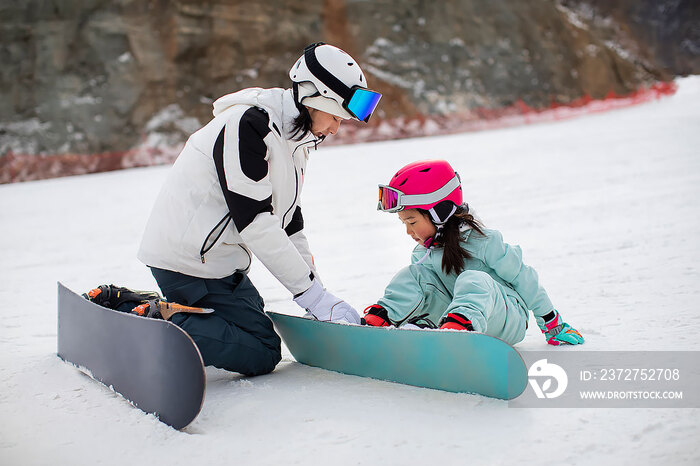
x: 422, y: 321
x: 142, y: 303
x: 114, y: 297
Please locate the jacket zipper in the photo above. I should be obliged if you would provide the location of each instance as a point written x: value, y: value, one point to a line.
x: 227, y: 218
x: 250, y: 259
x: 296, y: 180
x: 296, y: 195
x: 206, y: 248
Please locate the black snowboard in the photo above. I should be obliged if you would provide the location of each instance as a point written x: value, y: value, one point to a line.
x: 152, y: 363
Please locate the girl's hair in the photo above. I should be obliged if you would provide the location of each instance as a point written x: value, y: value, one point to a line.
x: 450, y: 238
x: 301, y: 125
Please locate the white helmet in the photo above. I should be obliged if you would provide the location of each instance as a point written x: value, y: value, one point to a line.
x: 328, y: 79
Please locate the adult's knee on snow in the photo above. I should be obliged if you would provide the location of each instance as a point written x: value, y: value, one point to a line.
x: 264, y: 365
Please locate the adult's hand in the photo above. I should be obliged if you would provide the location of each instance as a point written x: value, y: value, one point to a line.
x: 324, y: 306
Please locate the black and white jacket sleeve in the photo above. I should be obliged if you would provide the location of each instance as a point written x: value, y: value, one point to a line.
x: 241, y: 159
x: 295, y: 231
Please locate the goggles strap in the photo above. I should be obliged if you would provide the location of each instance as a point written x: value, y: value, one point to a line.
x: 335, y: 84
x: 429, y: 198
x: 295, y: 93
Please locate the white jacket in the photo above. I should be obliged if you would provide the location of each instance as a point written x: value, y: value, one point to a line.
x: 198, y: 229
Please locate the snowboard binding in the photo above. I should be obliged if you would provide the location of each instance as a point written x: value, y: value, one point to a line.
x: 142, y: 303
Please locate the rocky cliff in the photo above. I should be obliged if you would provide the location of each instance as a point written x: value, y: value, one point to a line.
x: 91, y: 85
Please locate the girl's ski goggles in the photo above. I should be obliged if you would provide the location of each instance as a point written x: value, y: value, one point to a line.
x: 393, y: 200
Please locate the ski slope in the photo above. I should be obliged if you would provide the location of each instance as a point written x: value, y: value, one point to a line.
x: 605, y: 207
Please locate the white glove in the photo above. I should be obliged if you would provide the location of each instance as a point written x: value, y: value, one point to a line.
x: 324, y: 306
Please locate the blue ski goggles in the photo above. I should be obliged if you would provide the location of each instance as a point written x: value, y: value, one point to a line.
x: 362, y: 102
x: 359, y: 101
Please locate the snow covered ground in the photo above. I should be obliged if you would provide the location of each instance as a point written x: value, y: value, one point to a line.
x: 605, y: 207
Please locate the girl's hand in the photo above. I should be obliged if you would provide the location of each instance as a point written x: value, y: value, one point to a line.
x: 376, y: 316
x: 557, y: 332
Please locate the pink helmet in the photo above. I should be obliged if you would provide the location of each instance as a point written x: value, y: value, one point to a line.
x: 423, y: 185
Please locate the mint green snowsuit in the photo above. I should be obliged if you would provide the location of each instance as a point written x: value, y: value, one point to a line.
x: 494, y: 291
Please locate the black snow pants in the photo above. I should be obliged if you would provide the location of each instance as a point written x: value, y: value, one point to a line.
x: 238, y: 336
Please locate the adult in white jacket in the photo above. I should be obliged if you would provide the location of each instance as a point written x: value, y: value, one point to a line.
x: 234, y: 193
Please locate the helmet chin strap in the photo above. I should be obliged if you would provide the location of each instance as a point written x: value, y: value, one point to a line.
x: 429, y: 244
x: 436, y: 218
x: 425, y: 256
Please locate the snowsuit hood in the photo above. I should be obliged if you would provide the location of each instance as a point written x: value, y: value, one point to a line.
x: 268, y: 99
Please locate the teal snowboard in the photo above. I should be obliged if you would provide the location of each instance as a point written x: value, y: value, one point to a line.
x: 453, y: 361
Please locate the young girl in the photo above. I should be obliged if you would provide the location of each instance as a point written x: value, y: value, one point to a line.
x: 462, y: 276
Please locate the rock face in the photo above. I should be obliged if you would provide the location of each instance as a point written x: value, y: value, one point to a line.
x: 664, y: 34
x: 133, y: 78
